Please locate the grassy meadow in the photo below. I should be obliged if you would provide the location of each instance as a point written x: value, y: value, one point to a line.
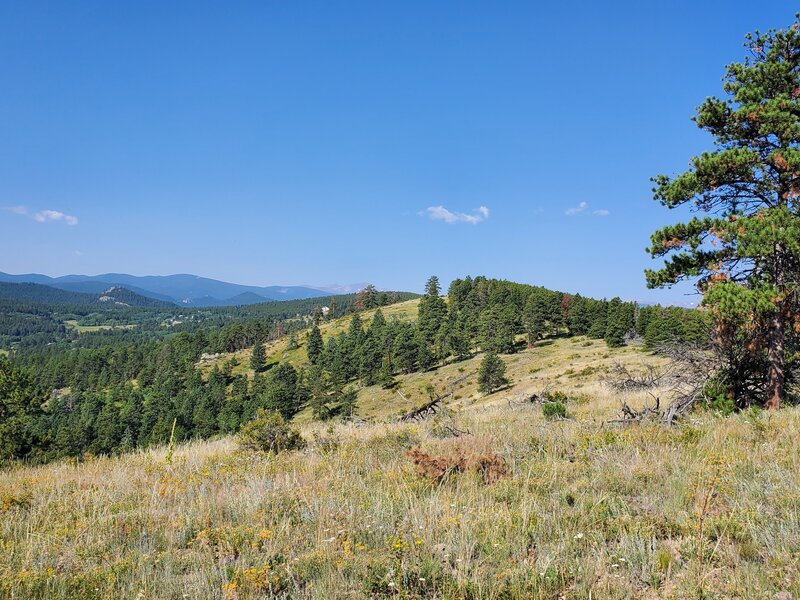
x: 581, y: 509
x: 73, y: 324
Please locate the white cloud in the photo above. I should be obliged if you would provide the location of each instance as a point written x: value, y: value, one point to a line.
x: 43, y: 216
x: 440, y: 213
x: 54, y: 215
x: 581, y: 208
x: 576, y: 210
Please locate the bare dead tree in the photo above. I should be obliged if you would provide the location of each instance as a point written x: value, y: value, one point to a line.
x: 683, y: 379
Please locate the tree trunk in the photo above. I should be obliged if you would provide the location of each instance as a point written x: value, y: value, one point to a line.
x: 775, y: 357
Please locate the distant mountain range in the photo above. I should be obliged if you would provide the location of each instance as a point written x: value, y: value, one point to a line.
x: 184, y: 290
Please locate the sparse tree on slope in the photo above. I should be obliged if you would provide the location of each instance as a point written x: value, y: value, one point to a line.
x: 492, y: 373
x: 314, y: 345
x: 432, y: 311
x: 258, y: 358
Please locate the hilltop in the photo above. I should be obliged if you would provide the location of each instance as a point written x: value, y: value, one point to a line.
x: 564, y: 361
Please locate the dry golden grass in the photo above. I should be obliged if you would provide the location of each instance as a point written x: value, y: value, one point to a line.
x: 705, y: 509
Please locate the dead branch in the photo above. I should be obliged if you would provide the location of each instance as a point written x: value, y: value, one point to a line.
x: 426, y: 410
x: 622, y: 379
x: 683, y: 380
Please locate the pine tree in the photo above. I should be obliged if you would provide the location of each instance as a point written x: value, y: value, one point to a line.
x: 314, y: 345
x: 497, y: 329
x: 405, y: 349
x: 426, y: 359
x: 367, y: 298
x: 293, y: 344
x: 258, y: 358
x: 598, y: 310
x: 534, y: 317
x: 369, y: 360
x: 281, y: 390
x: 744, y: 249
x: 620, y: 322
x: 579, y: 316
x: 432, y: 311
x: 355, y: 332
x: 348, y: 402
x: 459, y: 339
x: 19, y: 410
x: 319, y: 393
x: 492, y: 373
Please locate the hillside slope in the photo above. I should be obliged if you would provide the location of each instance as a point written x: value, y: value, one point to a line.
x: 583, y: 509
x: 278, y: 350
x: 568, y: 362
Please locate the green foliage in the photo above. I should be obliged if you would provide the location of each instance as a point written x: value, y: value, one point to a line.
x: 281, y: 391
x: 118, y: 390
x: 314, y: 345
x: 744, y: 251
x: 258, y: 358
x: 269, y: 432
x: 719, y: 398
x: 432, y: 311
x: 492, y: 373
x: 367, y: 298
x: 620, y: 322
x: 554, y: 410
x: 348, y: 402
x: 497, y: 327
x: 20, y: 410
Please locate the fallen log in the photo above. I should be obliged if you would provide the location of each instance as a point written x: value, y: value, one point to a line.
x: 426, y: 410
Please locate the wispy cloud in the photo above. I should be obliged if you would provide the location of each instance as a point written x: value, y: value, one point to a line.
x: 43, y: 216
x: 440, y: 213
x: 574, y: 211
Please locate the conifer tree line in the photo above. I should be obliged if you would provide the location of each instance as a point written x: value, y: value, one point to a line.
x: 481, y: 315
x: 116, y: 398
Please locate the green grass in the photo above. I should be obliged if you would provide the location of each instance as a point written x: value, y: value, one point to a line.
x: 73, y: 324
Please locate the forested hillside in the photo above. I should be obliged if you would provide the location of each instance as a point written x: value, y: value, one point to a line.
x: 43, y: 294
x: 104, y: 389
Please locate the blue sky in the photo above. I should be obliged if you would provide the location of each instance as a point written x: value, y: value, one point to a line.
x: 319, y: 142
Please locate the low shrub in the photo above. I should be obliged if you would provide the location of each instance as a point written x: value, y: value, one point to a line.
x: 269, y: 432
x: 554, y: 410
x: 555, y: 396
